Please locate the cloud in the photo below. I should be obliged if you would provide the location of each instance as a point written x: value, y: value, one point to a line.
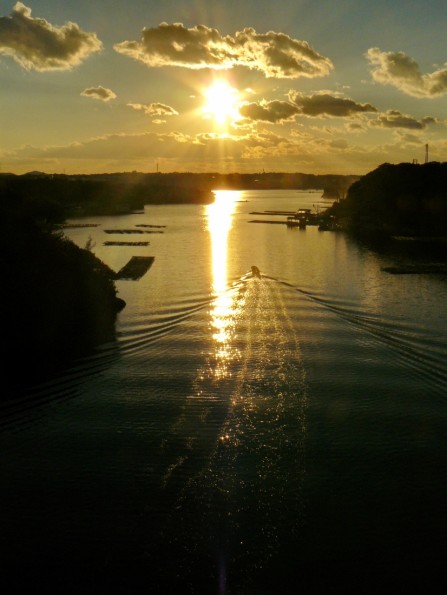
x: 154, y: 109
x: 274, y: 54
x: 328, y: 105
x: 99, y: 92
x: 321, y: 104
x: 212, y: 152
x: 114, y: 146
x: 395, y: 119
x: 37, y: 45
x: 355, y: 127
x: 411, y: 139
x: 269, y: 111
x: 401, y: 71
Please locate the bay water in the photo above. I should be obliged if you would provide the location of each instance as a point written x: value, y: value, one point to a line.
x: 243, y: 434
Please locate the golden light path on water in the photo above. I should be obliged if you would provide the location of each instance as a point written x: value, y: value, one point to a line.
x: 220, y: 219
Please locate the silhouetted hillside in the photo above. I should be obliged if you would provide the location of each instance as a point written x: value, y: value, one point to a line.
x: 403, y: 199
x: 57, y: 300
x: 100, y: 195
x: 125, y: 192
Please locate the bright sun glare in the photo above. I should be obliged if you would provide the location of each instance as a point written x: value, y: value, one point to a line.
x: 221, y: 102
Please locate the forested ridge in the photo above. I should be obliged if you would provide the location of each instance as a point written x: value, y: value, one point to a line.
x: 403, y: 199
x: 58, y: 301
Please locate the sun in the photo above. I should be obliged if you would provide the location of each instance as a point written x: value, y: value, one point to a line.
x: 221, y: 103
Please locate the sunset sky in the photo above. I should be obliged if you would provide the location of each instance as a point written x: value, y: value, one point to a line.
x: 313, y: 86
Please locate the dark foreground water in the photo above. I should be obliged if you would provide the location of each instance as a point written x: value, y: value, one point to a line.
x: 250, y: 436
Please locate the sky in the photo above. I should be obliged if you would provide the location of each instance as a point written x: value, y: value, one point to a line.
x: 312, y: 86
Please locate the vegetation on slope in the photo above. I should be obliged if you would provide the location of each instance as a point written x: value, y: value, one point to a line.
x: 404, y: 199
x: 58, y: 301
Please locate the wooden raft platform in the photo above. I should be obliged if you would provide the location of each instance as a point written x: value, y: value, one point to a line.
x: 135, y: 268
x: 126, y: 243
x: 139, y: 231
x: 418, y: 269
x: 77, y: 225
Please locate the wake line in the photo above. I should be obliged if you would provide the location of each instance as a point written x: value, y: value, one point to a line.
x: 167, y: 324
x: 258, y: 436
x: 425, y: 364
x: 66, y: 385
x: 63, y: 387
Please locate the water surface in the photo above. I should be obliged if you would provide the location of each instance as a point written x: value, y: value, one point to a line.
x: 243, y: 435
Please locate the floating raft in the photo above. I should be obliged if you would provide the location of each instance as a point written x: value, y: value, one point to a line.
x: 135, y: 268
x: 126, y: 243
x: 148, y: 225
x: 131, y: 231
x: 417, y: 269
x: 78, y: 225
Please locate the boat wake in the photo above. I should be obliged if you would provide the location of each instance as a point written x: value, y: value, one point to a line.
x: 243, y: 432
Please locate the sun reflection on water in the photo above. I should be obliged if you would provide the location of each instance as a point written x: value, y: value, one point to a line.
x: 220, y: 218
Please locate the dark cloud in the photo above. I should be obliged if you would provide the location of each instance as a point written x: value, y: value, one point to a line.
x: 99, y: 92
x: 401, y: 71
x: 321, y: 104
x: 395, y: 119
x: 339, y: 143
x: 154, y: 109
x: 411, y: 139
x: 269, y: 111
x: 274, y: 54
x: 328, y: 105
x: 355, y: 126
x: 36, y: 44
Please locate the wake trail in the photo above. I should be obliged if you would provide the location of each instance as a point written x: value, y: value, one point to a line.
x: 252, y: 477
x: 422, y: 356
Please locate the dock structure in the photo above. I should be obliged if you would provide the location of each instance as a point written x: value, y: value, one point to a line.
x: 135, y: 268
x: 268, y: 221
x: 300, y: 218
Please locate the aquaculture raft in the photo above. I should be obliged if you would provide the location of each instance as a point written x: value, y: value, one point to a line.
x: 135, y: 268
x: 126, y: 243
x: 140, y: 231
x: 77, y: 225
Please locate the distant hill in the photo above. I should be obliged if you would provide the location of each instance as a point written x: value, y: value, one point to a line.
x: 118, y: 193
x: 108, y: 194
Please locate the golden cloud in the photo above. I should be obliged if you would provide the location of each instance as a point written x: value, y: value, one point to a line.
x: 35, y: 44
x: 401, y: 71
x: 274, y: 54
